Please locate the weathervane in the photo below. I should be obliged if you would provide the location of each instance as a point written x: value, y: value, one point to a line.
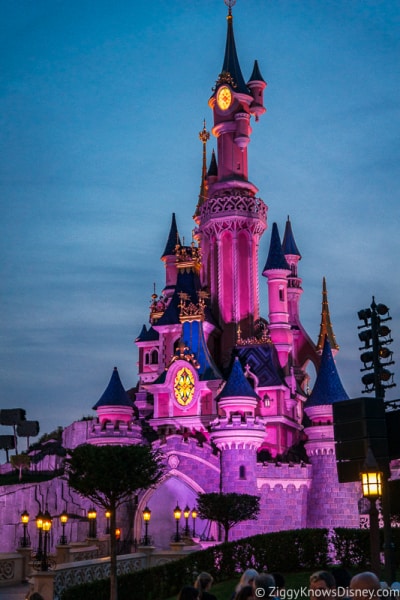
x: 229, y: 4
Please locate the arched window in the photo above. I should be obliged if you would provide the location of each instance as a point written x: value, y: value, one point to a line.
x: 242, y: 472
x: 154, y: 357
x: 146, y: 358
x: 281, y: 294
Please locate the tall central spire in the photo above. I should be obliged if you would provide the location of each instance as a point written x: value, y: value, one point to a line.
x: 231, y: 72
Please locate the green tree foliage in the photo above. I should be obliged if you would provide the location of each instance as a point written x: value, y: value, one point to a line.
x: 228, y: 509
x: 20, y: 462
x: 109, y: 476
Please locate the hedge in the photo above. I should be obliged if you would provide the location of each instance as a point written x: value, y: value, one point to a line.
x: 285, y: 551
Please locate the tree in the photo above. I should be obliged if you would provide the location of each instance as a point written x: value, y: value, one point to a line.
x: 20, y: 462
x: 228, y: 509
x: 109, y: 476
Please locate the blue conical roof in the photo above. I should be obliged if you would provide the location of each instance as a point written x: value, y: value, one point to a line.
x: 237, y: 384
x: 256, y: 74
x: 328, y: 388
x: 231, y: 61
x: 173, y: 238
x: 276, y: 259
x: 289, y: 246
x: 213, y: 168
x: 145, y: 335
x: 114, y: 394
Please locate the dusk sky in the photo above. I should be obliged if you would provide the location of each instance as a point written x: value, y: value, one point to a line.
x: 100, y: 108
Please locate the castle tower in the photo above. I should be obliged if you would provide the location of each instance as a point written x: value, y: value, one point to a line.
x: 326, y: 494
x: 238, y: 433
x: 294, y: 289
x: 232, y: 219
x: 276, y: 271
x: 115, y: 423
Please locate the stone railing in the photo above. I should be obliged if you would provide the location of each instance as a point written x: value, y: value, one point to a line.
x: 71, y: 574
x: 11, y: 568
x: 51, y: 584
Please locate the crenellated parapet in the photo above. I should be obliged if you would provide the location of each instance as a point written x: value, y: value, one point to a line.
x: 272, y: 475
x: 238, y: 432
x: 115, y: 434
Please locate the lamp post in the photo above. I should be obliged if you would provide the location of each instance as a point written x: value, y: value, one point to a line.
x: 92, y: 515
x: 186, y: 514
x: 25, y: 541
x: 46, y: 526
x: 194, y: 517
x: 107, y: 515
x: 39, y: 526
x: 371, y: 484
x: 177, y: 516
x: 64, y: 521
x: 146, y: 518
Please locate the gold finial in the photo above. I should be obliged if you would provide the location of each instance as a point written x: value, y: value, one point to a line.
x: 204, y: 135
x: 229, y: 4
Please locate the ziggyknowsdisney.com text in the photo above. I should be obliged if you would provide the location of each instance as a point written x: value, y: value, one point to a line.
x: 339, y: 592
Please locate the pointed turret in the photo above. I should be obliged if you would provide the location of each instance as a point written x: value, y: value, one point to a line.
x: 276, y: 271
x: 289, y: 245
x: 276, y: 259
x: 328, y: 388
x: 326, y: 329
x: 237, y: 432
x: 231, y: 72
x: 213, y: 168
x: 237, y: 386
x: 173, y: 239
x: 115, y: 412
x: 115, y: 404
x: 257, y: 85
x: 169, y: 258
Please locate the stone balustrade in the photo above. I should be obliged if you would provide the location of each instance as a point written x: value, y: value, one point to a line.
x: 16, y: 567
x: 11, y: 568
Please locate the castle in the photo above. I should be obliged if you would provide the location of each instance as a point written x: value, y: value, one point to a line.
x: 222, y: 391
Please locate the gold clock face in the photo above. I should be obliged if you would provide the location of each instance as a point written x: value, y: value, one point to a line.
x: 224, y: 97
x: 184, y: 385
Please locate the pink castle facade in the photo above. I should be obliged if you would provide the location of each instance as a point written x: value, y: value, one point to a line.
x: 222, y: 390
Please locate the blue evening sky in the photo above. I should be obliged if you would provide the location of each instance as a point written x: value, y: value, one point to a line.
x: 100, y: 108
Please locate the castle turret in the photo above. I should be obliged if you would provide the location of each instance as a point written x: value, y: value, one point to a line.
x: 169, y: 258
x: 115, y: 412
x: 276, y: 271
x: 325, y: 493
x: 238, y: 433
x: 294, y: 290
x: 256, y: 85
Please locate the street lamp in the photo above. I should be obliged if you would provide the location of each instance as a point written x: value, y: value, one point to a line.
x: 39, y: 526
x: 194, y: 517
x: 107, y: 515
x: 92, y: 515
x: 64, y: 521
x: 146, y: 518
x: 177, y: 516
x: 186, y: 514
x: 25, y: 541
x: 46, y: 526
x: 371, y: 484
